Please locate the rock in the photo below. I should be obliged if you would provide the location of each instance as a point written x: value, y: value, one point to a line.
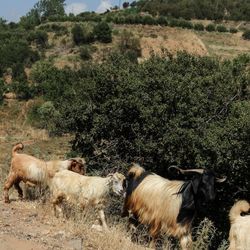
x: 76, y: 244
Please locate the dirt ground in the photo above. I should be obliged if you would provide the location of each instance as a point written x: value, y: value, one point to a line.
x: 23, y: 227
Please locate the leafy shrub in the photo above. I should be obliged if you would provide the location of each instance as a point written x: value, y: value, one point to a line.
x: 16, y: 54
x: 58, y: 29
x: 82, y: 34
x: 210, y: 27
x: 129, y: 44
x: 39, y: 37
x: 199, y: 26
x: 148, y: 20
x: 48, y: 115
x: 85, y: 53
x: 221, y: 28
x: 233, y: 30
x: 162, y: 21
x: 246, y: 35
x: 173, y: 23
x: 185, y: 24
x: 22, y: 90
x: 103, y: 32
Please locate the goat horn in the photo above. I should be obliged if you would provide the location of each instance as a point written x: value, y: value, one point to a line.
x: 198, y: 170
x: 219, y: 180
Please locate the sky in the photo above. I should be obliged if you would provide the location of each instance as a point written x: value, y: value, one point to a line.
x: 12, y: 10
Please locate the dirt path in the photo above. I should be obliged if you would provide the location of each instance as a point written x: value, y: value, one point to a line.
x: 23, y: 227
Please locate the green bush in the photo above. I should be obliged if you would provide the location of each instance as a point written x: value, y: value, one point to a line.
x: 39, y: 37
x: 185, y: 24
x: 82, y: 34
x: 129, y: 45
x: 22, y: 90
x: 246, y: 35
x: 103, y: 32
x: 221, y: 28
x: 85, y: 53
x: 199, y: 26
x: 210, y: 27
x: 16, y: 54
x: 48, y: 115
x: 233, y: 30
x: 148, y: 20
x: 162, y: 21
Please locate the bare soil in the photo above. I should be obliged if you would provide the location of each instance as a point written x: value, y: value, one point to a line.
x: 23, y: 227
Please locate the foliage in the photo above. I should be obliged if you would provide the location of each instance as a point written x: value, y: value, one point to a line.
x: 196, y: 9
x: 39, y: 37
x: 85, y: 53
x: 199, y: 26
x: 48, y: 8
x: 22, y: 90
x: 233, y: 30
x: 103, y: 32
x: 30, y: 20
x: 129, y: 45
x: 204, y: 233
x: 82, y: 34
x: 16, y: 54
x: 221, y: 28
x: 210, y: 27
x: 246, y: 35
x: 47, y: 115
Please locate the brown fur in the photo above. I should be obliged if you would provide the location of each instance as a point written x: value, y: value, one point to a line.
x: 239, y: 235
x: 155, y: 202
x: 34, y: 171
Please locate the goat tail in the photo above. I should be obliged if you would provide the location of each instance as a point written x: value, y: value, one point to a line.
x: 18, y: 146
x: 239, y: 207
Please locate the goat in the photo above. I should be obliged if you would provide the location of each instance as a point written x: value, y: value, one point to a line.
x: 32, y: 170
x: 84, y: 190
x: 239, y: 237
x: 167, y: 206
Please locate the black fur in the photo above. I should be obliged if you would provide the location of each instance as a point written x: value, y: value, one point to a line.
x: 133, y: 183
x: 194, y: 192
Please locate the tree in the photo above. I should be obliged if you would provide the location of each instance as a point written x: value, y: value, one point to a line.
x: 125, y: 5
x: 31, y: 19
x: 103, y: 32
x: 48, y: 8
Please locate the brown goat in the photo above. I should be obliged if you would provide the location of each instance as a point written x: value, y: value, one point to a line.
x: 32, y: 170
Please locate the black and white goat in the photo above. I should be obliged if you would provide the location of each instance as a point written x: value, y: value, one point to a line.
x: 168, y: 206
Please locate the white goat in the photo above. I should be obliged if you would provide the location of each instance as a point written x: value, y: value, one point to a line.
x: 84, y: 190
x: 239, y: 235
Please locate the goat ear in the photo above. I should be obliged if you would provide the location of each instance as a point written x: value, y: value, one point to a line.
x: 195, y: 184
x: 72, y: 164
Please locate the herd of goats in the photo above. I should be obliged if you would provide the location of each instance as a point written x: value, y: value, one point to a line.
x: 166, y: 206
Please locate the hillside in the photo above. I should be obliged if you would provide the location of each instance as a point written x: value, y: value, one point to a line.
x: 153, y: 39
x: 120, y: 87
